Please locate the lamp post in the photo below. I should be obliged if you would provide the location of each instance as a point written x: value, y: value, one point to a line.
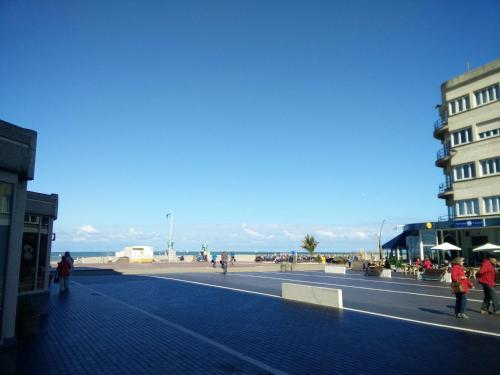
x: 171, y: 215
x: 379, y: 242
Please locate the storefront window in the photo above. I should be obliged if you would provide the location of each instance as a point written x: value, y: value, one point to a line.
x: 29, y: 253
x: 32, y: 271
x: 42, y: 253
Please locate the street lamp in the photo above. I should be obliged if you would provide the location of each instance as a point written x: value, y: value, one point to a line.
x: 171, y: 215
x: 379, y: 238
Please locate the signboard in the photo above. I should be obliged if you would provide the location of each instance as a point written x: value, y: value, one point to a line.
x: 474, y: 223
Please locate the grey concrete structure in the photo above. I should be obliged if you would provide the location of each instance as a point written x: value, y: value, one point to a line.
x: 26, y: 220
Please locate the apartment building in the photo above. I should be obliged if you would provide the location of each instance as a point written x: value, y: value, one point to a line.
x: 469, y: 131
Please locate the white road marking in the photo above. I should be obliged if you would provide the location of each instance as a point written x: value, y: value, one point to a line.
x: 371, y: 281
x: 207, y: 340
x: 351, y: 286
x: 345, y: 308
x: 214, y: 286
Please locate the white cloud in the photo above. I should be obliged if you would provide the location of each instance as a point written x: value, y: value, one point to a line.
x: 254, y: 233
x: 87, y: 229
x: 293, y: 236
x: 344, y: 234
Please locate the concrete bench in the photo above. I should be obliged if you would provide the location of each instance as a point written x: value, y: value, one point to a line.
x: 316, y: 295
x: 335, y: 269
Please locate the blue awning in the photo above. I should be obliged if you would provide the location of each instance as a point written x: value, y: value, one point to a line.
x: 397, y: 242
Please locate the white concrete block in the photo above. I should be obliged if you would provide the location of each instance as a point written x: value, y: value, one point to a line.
x: 386, y: 273
x: 446, y: 278
x: 335, y: 269
x: 312, y: 294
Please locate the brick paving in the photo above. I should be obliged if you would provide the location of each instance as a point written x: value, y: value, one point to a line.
x: 133, y: 325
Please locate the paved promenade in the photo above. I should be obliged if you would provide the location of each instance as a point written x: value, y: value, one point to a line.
x: 209, y: 323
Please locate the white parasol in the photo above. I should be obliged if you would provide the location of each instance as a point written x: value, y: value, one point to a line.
x: 488, y: 247
x: 445, y: 246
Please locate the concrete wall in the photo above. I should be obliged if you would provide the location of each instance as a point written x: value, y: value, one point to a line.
x: 328, y: 297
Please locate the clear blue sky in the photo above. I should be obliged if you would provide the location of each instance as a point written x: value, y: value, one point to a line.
x: 256, y: 122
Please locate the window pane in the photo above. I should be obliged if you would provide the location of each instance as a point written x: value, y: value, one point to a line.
x: 42, y: 254
x: 455, y: 139
x: 466, y: 171
x: 28, y: 257
x: 467, y: 106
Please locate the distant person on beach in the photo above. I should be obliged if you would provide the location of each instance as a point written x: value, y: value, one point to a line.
x: 63, y: 268
x: 486, y: 277
x: 233, y: 258
x: 214, y: 259
x: 460, y: 287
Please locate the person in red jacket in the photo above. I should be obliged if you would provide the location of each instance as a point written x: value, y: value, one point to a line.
x: 63, y: 267
x: 458, y: 275
x: 427, y: 264
x: 486, y: 277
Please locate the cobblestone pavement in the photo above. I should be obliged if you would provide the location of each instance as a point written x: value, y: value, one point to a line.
x: 147, y: 325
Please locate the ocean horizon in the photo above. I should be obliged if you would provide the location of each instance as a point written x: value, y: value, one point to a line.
x: 55, y: 256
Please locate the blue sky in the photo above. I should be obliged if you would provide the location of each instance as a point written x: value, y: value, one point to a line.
x: 256, y: 122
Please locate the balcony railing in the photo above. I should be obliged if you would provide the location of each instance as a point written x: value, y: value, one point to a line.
x: 444, y: 187
x: 444, y: 152
x: 446, y: 218
x: 440, y: 123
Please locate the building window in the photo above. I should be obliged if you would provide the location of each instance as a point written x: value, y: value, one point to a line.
x: 458, y: 105
x: 492, y: 204
x: 461, y: 137
x: 464, y: 172
x: 32, y: 272
x: 486, y: 95
x: 489, y: 133
x: 466, y: 207
x: 490, y: 166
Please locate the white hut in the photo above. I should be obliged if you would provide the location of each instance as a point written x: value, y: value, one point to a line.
x: 137, y: 254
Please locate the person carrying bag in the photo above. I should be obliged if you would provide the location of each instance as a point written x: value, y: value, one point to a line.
x: 460, y: 285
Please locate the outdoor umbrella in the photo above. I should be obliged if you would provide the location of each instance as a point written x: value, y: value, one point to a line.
x: 445, y: 246
x: 488, y: 247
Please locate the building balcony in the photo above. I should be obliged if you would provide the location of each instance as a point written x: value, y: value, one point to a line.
x: 445, y: 190
x: 443, y: 156
x: 440, y: 126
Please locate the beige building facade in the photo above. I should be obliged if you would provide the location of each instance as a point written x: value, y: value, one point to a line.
x: 469, y: 131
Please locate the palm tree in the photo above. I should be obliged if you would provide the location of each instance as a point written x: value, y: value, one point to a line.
x: 309, y: 243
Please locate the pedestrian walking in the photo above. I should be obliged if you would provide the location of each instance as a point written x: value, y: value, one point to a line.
x: 214, y: 259
x: 486, y: 277
x: 63, y: 269
x: 223, y: 261
x: 460, y: 287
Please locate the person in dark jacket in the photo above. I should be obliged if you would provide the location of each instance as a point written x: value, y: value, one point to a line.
x: 486, y: 277
x: 458, y: 276
x: 63, y: 268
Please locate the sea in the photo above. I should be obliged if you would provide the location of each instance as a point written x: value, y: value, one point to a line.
x: 56, y: 256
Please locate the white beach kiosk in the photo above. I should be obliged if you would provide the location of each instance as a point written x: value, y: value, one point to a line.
x: 137, y: 254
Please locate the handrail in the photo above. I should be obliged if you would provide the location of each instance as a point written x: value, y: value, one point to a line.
x: 444, y: 152
x: 440, y: 123
x: 444, y: 187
